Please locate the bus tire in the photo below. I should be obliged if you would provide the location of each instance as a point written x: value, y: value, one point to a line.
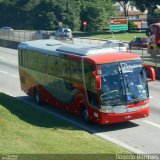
x: 85, y: 115
x: 37, y: 96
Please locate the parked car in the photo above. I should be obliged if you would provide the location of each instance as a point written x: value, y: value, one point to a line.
x: 6, y: 31
x: 40, y: 34
x: 63, y: 33
x: 117, y: 45
x: 138, y: 42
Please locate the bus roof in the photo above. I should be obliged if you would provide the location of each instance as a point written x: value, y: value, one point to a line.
x: 54, y: 45
x: 91, y: 51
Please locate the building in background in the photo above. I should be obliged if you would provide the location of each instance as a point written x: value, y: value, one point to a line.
x: 139, y: 18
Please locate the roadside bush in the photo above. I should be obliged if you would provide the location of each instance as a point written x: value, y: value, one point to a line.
x: 132, y: 26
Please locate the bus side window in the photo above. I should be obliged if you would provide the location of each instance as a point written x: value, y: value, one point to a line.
x: 53, y: 65
x: 64, y: 67
x: 76, y: 70
x: 23, y: 58
x: 32, y: 63
x: 20, y: 56
x: 42, y: 62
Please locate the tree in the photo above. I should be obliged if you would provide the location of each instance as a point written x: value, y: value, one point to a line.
x: 22, y: 14
x: 155, y: 17
x: 97, y: 14
x: 6, y: 7
x: 44, y: 17
x: 148, y: 5
x: 46, y: 14
x: 132, y: 25
x: 125, y: 5
x: 68, y: 13
x: 17, y: 13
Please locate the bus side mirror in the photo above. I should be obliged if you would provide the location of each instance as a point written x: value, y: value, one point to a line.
x: 97, y: 80
x: 151, y: 75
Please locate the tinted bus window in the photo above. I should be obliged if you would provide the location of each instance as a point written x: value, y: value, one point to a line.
x: 76, y: 70
x: 24, y: 57
x: 32, y: 62
x: 52, y: 65
x: 20, y: 57
x: 42, y: 62
x: 64, y: 68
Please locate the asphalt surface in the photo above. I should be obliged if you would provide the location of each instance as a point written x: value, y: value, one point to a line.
x: 139, y: 136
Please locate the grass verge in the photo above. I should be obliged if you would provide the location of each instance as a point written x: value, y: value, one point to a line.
x: 28, y: 130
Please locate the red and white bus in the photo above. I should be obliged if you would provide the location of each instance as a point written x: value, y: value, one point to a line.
x: 101, y: 84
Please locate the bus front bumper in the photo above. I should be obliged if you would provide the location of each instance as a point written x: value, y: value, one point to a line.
x: 108, y: 118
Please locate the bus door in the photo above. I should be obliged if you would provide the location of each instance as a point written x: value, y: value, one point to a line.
x: 89, y: 78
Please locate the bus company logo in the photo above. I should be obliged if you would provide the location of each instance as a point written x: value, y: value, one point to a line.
x: 129, y: 68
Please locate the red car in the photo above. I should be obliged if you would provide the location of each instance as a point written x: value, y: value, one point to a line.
x: 138, y: 42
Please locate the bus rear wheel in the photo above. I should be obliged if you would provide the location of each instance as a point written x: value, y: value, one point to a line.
x: 37, y: 96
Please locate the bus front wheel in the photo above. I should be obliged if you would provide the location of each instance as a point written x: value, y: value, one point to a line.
x: 85, y: 115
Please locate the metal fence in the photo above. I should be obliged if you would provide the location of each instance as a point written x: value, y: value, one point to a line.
x: 20, y: 36
x: 147, y: 58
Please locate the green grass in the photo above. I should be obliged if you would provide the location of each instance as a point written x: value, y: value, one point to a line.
x: 119, y: 36
x: 28, y: 130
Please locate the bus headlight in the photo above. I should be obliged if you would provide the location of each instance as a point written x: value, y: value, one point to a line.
x: 145, y: 105
x: 107, y: 109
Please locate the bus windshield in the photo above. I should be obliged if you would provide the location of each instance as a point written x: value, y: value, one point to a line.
x: 123, y: 82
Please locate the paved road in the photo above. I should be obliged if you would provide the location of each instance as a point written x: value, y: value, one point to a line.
x: 140, y: 136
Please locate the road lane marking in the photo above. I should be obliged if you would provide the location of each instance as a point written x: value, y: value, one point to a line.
x: 151, y: 123
x: 2, y: 58
x: 13, y: 75
x: 3, y: 72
